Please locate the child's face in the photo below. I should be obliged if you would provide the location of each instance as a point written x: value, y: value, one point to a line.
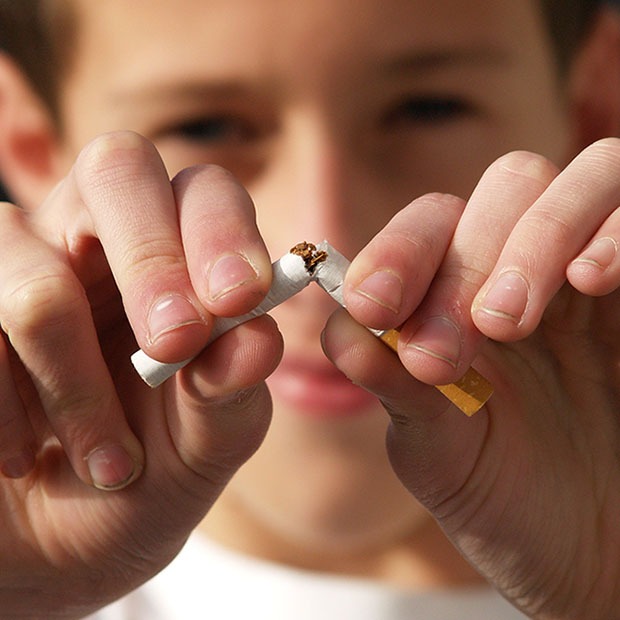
x: 334, y: 114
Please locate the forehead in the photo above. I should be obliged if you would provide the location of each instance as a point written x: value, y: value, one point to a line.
x: 145, y: 36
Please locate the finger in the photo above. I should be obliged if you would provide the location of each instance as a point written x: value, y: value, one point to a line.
x: 533, y: 264
x: 220, y: 408
x: 391, y: 275
x: 17, y: 440
x: 596, y: 271
x: 440, y: 341
x: 427, y: 441
x: 369, y: 363
x: 46, y: 316
x: 228, y: 263
x: 124, y: 187
x: 121, y: 182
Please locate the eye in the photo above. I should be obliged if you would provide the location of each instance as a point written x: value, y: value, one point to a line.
x: 216, y: 130
x: 236, y: 139
x: 428, y: 110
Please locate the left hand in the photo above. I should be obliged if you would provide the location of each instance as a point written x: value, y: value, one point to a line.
x: 526, y: 286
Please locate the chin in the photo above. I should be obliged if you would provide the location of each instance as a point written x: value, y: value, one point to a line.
x: 324, y: 483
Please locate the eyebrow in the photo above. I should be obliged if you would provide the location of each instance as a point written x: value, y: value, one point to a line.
x: 189, y: 90
x: 437, y: 59
x: 409, y: 61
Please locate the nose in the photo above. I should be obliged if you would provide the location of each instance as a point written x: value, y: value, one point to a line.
x: 313, y: 189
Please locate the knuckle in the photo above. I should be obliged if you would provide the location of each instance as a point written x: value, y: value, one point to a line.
x: 151, y: 255
x: 546, y: 226
x: 605, y: 153
x: 526, y: 165
x: 242, y: 417
x: 39, y: 302
x: 208, y: 397
x: 464, y: 281
x: 76, y: 409
x: 102, y: 159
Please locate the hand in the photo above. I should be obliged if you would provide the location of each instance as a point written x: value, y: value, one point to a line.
x: 117, y: 239
x: 523, y: 281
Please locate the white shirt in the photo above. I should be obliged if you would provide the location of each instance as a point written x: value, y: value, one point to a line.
x: 207, y: 581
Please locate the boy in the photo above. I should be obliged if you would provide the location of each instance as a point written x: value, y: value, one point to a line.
x: 333, y: 114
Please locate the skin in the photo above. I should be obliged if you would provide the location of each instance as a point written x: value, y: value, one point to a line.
x: 328, y: 145
x: 304, y: 156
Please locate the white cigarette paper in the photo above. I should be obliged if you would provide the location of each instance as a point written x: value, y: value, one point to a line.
x: 293, y: 272
x: 289, y: 277
x: 469, y: 393
x: 330, y: 274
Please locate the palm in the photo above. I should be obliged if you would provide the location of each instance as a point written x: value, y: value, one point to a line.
x: 82, y: 542
x: 61, y: 523
x: 537, y: 501
x: 68, y: 546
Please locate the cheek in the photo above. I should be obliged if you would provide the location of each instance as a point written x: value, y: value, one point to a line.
x: 536, y: 115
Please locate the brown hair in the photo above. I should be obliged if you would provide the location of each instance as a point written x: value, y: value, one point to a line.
x: 38, y: 34
x: 567, y: 22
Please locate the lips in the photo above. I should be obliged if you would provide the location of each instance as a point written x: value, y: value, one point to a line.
x: 318, y: 389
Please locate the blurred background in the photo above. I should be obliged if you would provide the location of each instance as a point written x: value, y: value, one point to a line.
x: 3, y: 195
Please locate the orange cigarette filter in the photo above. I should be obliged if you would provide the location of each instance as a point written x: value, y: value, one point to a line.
x: 323, y: 264
x: 470, y: 393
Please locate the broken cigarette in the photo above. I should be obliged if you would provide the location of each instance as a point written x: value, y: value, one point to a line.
x: 290, y: 276
x: 469, y: 393
x: 291, y: 273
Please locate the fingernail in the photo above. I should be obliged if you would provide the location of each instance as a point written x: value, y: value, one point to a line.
x: 600, y: 254
x: 507, y: 298
x: 18, y: 466
x: 228, y: 273
x: 440, y: 338
x: 111, y: 467
x: 384, y: 288
x: 170, y: 313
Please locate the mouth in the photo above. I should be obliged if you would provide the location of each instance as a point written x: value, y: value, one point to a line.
x: 316, y: 388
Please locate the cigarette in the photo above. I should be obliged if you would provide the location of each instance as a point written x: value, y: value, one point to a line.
x: 323, y: 264
x: 469, y: 393
x: 290, y: 275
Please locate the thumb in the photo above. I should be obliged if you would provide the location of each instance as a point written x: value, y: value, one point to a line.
x: 432, y: 445
x: 218, y: 408
x: 92, y: 546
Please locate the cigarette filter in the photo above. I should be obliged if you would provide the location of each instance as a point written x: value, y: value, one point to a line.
x: 469, y: 393
x: 291, y: 273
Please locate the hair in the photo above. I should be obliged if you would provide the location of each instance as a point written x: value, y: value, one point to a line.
x: 38, y: 35
x: 568, y: 21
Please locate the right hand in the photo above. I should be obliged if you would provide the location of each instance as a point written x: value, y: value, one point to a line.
x: 119, y: 257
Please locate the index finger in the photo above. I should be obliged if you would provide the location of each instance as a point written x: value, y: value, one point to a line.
x: 124, y: 186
